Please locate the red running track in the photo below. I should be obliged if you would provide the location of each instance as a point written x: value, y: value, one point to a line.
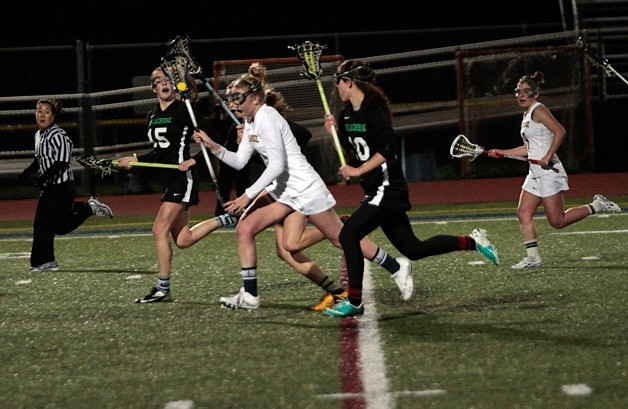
x: 421, y: 193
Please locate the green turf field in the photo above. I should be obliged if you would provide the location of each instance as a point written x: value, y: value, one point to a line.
x: 473, y: 335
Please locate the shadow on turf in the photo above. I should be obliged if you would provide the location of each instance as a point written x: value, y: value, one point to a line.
x: 100, y: 271
x: 429, y: 329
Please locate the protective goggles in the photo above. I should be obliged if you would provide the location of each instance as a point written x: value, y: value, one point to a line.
x: 346, y: 75
x: 528, y: 92
x: 340, y: 77
x: 237, y: 97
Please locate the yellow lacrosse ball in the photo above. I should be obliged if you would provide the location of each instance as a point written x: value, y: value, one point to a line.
x: 182, y: 86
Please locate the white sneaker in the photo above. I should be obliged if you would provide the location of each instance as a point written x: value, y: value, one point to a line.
x: 528, y: 262
x: 403, y: 278
x: 99, y: 208
x: 242, y: 300
x: 484, y: 246
x: 50, y: 266
x: 603, y: 205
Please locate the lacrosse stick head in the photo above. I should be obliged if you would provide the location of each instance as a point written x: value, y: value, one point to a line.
x: 462, y: 147
x: 181, y: 45
x: 104, y: 166
x: 175, y: 66
x: 310, y: 55
x: 595, y: 59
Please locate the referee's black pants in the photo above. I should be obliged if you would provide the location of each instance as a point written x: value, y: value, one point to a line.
x: 56, y: 213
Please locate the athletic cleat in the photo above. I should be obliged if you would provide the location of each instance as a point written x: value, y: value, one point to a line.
x: 99, y: 208
x: 50, y: 266
x: 155, y: 295
x: 484, y: 246
x: 344, y: 309
x: 243, y: 300
x: 528, y: 262
x: 227, y: 220
x: 403, y: 278
x: 329, y: 300
x: 603, y: 205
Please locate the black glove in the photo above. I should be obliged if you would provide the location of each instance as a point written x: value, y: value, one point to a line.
x: 53, y: 171
x: 41, y: 181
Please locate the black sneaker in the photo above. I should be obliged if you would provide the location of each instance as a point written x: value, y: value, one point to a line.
x: 155, y: 295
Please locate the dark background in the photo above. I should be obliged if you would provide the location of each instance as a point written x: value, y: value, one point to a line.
x: 40, y: 23
x: 234, y: 29
x: 26, y: 26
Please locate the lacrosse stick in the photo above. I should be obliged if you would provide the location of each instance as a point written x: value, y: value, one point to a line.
x: 310, y: 54
x: 106, y: 166
x: 175, y: 66
x: 462, y: 147
x: 598, y: 61
x: 181, y: 45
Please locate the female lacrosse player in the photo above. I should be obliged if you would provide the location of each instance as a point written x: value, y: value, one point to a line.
x: 542, y: 136
x: 288, y: 188
x: 254, y: 168
x: 243, y: 178
x: 365, y: 131
x: 170, y: 131
x: 57, y: 212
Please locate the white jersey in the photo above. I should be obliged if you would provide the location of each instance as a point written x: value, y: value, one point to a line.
x: 538, y: 138
x: 288, y: 174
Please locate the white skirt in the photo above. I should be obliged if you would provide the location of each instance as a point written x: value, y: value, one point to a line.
x: 546, y: 185
x: 314, y: 202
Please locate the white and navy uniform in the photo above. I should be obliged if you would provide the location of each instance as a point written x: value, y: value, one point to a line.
x: 538, y: 139
x: 57, y: 213
x: 289, y: 178
x: 171, y: 132
x: 363, y: 134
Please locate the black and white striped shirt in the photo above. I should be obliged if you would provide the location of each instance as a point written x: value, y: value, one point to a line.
x: 54, y: 145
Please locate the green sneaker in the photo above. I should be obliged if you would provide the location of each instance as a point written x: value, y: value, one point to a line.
x: 484, y: 246
x: 344, y: 309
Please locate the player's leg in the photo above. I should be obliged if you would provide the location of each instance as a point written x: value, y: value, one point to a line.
x: 528, y: 203
x: 263, y: 213
x: 299, y: 236
x: 307, y: 267
x: 167, y: 215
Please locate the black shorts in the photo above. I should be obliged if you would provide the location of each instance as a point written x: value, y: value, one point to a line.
x: 180, y: 187
x: 389, y: 199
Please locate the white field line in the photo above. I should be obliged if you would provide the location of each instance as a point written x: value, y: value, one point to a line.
x: 568, y: 233
x: 372, y: 365
x: 231, y: 230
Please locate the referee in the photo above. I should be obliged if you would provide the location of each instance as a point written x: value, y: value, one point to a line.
x: 57, y: 213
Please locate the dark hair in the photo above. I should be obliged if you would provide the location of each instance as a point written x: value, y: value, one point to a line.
x: 55, y: 104
x: 535, y: 81
x: 365, y: 79
x: 357, y: 70
x: 276, y: 100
